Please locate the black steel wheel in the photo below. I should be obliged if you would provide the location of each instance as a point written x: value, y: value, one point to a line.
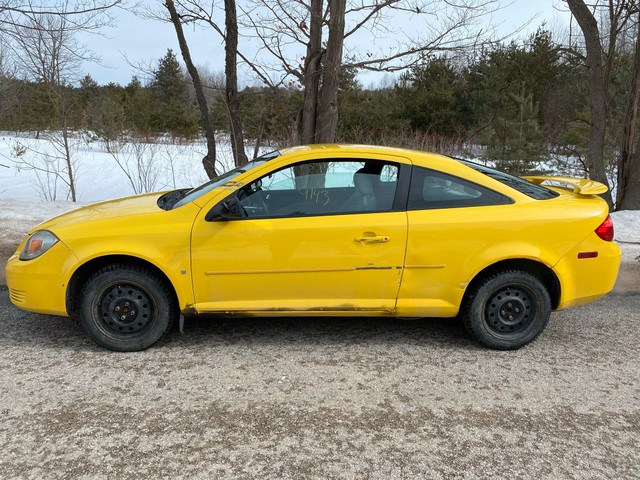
x: 126, y: 308
x: 510, y: 311
x: 507, y: 310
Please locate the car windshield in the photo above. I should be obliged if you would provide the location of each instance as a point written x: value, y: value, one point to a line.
x: 197, y: 192
x: 523, y: 186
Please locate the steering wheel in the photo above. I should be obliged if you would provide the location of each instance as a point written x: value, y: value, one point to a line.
x: 253, y: 203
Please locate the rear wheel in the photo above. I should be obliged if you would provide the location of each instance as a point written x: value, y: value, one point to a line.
x: 126, y: 308
x: 507, y: 310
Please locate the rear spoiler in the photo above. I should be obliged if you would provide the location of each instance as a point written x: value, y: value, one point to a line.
x: 581, y: 186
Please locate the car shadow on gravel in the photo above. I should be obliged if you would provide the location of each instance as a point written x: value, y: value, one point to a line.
x: 28, y: 329
x: 325, y: 331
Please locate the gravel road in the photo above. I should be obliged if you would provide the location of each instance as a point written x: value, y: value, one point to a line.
x: 323, y: 398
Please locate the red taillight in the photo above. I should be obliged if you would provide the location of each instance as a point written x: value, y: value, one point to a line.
x: 605, y: 231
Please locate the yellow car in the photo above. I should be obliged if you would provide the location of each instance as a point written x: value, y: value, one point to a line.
x: 327, y: 230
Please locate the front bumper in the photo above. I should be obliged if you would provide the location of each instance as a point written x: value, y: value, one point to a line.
x: 40, y: 285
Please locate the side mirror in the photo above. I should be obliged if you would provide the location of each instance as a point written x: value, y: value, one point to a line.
x: 228, y: 209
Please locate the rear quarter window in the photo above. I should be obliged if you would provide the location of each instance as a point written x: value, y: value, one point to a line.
x: 431, y: 189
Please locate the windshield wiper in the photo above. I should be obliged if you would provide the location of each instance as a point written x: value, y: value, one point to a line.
x: 168, y: 200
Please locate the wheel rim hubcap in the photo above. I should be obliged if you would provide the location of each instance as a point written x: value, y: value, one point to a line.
x: 125, y: 308
x: 510, y: 310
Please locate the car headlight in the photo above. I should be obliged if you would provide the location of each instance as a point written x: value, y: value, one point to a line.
x: 37, y: 244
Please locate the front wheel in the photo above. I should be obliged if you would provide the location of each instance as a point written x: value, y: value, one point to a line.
x: 126, y: 308
x: 507, y: 310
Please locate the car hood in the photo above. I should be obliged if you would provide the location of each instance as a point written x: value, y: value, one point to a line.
x: 128, y: 206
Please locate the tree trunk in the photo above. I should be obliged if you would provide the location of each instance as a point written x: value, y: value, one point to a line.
x: 597, y: 93
x: 312, y: 75
x: 59, y: 93
x: 231, y: 89
x: 327, y: 119
x: 209, y: 160
x: 261, y: 127
x: 67, y: 155
x: 628, y: 195
x: 311, y: 176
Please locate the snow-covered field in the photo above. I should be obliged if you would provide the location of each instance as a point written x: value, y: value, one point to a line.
x: 34, y: 170
x: 626, y: 225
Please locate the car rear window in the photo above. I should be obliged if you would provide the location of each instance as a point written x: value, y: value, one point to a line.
x: 433, y: 190
x: 523, y: 186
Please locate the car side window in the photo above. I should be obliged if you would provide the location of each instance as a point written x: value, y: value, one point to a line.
x: 326, y: 187
x: 431, y: 189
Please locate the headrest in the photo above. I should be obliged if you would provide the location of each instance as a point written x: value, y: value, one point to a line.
x: 365, y: 182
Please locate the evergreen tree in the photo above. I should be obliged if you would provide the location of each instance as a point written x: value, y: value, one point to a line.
x: 138, y: 107
x: 88, y: 101
x: 110, y: 126
x: 433, y: 98
x: 516, y: 144
x: 511, y: 90
x: 169, y: 89
x: 168, y: 81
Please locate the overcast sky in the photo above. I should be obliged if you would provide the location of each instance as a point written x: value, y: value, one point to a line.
x: 143, y: 41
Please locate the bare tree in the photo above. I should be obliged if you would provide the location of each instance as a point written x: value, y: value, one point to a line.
x: 8, y: 84
x: 327, y: 122
x: 307, y: 122
x: 49, y: 166
x: 292, y: 34
x: 190, y: 11
x: 209, y: 160
x: 231, y: 87
x: 46, y: 51
x: 138, y: 161
x: 80, y: 15
x: 618, y: 13
x: 41, y: 37
x: 628, y: 193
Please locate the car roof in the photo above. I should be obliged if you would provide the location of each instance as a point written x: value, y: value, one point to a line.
x: 419, y: 157
x: 328, y: 148
x: 341, y: 147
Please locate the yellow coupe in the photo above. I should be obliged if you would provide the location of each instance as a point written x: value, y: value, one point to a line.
x: 327, y: 230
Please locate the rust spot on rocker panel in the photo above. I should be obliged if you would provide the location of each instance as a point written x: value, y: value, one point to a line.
x: 347, y: 307
x: 189, y: 310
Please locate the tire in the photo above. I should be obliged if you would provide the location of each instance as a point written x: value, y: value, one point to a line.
x: 507, y: 310
x: 126, y: 308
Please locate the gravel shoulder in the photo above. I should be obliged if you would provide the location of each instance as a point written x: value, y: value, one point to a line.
x: 323, y: 398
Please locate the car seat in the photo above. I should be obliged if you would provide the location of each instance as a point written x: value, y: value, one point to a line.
x: 364, y: 197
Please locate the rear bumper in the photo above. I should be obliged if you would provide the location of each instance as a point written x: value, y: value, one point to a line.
x: 584, y: 280
x: 39, y: 285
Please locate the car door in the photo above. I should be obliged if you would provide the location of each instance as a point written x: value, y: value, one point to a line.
x: 326, y: 235
x: 452, y: 227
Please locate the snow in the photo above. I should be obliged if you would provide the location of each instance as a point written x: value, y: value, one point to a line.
x: 626, y: 228
x: 163, y: 164
x: 626, y: 225
x: 30, y: 196
x: 11, y: 211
